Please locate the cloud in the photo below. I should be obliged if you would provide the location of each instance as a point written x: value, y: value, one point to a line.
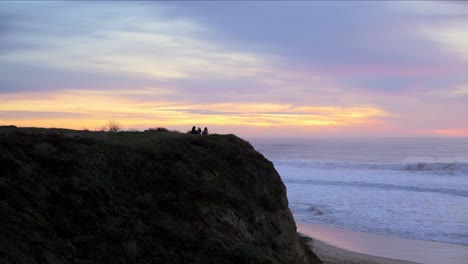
x: 462, y: 91
x: 22, y: 114
x: 147, y: 44
x: 96, y: 107
x: 459, y: 132
x: 128, y: 46
x: 430, y: 8
x: 17, y: 77
x: 452, y: 36
x: 441, y: 22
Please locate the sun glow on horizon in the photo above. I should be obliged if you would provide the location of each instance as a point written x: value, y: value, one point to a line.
x: 78, y: 109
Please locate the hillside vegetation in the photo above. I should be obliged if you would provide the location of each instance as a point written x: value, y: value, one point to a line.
x: 141, y: 197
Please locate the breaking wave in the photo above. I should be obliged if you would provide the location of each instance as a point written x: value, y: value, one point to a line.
x: 383, y: 186
x: 436, y: 167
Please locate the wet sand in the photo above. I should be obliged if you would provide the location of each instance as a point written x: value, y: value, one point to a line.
x: 333, y: 255
x: 335, y: 245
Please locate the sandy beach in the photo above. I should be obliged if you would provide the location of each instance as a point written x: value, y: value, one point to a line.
x: 334, y: 255
x: 340, y: 246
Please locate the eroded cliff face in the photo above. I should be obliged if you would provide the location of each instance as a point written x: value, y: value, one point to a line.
x: 87, y: 197
x: 259, y: 214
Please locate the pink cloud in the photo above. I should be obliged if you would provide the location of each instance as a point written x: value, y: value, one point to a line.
x: 461, y: 132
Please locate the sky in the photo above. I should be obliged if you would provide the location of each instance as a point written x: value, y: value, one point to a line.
x: 270, y: 69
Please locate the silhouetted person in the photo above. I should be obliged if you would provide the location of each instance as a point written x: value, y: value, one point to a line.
x: 194, y: 131
x: 199, y: 131
x: 205, y: 132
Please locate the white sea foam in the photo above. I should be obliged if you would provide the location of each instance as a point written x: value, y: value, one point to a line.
x: 415, y: 188
x: 437, y: 167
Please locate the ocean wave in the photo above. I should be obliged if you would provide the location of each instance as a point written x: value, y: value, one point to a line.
x: 438, y: 167
x: 384, y: 186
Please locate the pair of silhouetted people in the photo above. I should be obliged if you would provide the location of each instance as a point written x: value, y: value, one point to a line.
x: 198, y: 131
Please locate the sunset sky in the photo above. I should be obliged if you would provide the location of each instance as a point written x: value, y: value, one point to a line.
x: 301, y: 69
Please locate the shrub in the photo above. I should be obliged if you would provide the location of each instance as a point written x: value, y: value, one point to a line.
x: 111, y: 126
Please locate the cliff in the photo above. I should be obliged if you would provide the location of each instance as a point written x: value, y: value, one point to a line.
x: 141, y: 197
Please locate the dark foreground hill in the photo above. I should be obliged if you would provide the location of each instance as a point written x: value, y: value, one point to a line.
x: 141, y: 197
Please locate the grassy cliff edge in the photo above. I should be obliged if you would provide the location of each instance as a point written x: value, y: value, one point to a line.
x: 141, y: 197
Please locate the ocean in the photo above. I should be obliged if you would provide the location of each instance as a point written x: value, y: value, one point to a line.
x: 406, y: 187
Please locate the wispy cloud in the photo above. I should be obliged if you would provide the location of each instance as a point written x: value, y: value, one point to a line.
x: 122, y: 42
x: 98, y: 107
x: 430, y: 8
x: 460, y: 132
x: 461, y: 90
x: 453, y: 37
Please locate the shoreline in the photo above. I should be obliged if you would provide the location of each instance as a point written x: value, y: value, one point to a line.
x: 333, y: 255
x: 336, y: 245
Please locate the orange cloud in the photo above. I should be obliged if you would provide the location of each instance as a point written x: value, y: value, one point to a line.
x: 78, y: 109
